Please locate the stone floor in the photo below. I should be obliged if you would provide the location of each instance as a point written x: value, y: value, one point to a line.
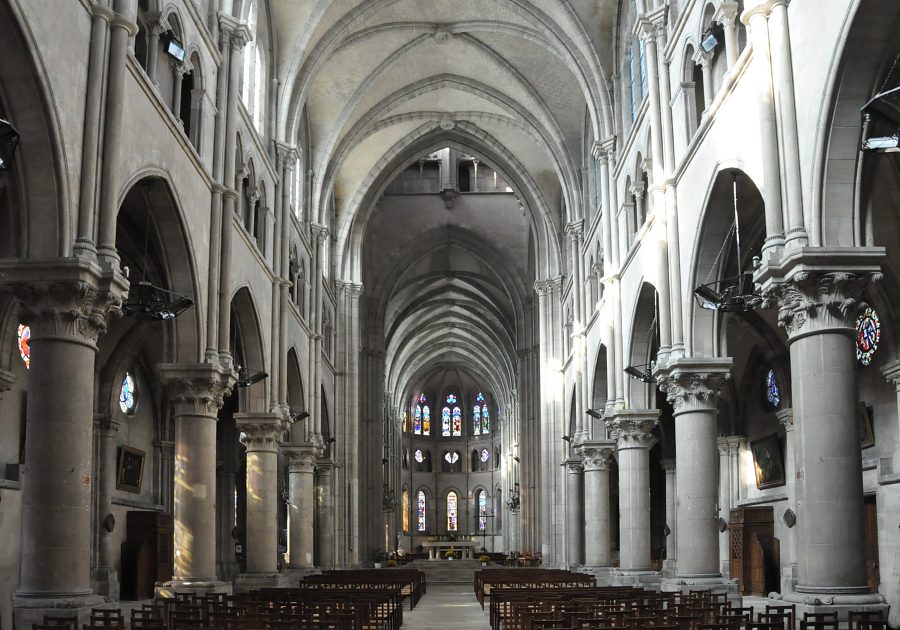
x: 447, y: 606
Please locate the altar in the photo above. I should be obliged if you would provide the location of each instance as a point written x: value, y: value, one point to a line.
x: 436, y: 550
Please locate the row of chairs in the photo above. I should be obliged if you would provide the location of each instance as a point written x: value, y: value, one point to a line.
x: 357, y: 600
x: 488, y: 579
x: 621, y: 608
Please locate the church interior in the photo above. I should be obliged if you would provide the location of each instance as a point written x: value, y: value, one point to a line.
x: 636, y: 329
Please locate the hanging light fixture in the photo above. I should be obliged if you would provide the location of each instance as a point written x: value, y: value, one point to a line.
x: 147, y: 302
x: 248, y: 377
x: 9, y: 141
x: 731, y: 295
x: 642, y: 372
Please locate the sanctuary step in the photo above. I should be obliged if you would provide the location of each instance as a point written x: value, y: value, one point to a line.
x: 447, y: 571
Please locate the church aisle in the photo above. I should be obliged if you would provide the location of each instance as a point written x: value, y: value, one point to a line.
x: 447, y: 606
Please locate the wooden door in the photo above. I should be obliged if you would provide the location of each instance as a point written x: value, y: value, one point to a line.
x: 871, y: 543
x: 757, y: 567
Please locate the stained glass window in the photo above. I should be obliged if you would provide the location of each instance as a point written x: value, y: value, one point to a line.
x: 420, y: 511
x: 773, y: 393
x: 457, y: 422
x: 445, y: 422
x: 452, y: 512
x: 868, y: 334
x: 127, y: 394
x: 476, y: 420
x: 485, y: 420
x: 451, y: 458
x: 426, y: 420
x: 420, y: 457
x: 451, y: 399
x: 482, y: 511
x: 485, y: 455
x: 417, y: 420
x: 24, y: 348
x: 405, y: 508
x: 405, y: 427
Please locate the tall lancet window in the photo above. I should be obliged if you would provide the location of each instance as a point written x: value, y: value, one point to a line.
x: 452, y: 512
x: 482, y: 511
x: 420, y: 511
x: 404, y: 502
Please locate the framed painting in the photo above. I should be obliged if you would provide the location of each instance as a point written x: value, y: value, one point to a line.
x: 130, y: 471
x: 768, y: 462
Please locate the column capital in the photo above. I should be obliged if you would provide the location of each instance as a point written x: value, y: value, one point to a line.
x: 597, y: 455
x: 702, y: 58
x: 575, y: 230
x: 107, y: 425
x: 301, y: 457
x: 891, y: 372
x: 631, y: 427
x: 604, y: 150
x: 352, y: 289
x: 638, y: 189
x: 234, y: 30
x: 574, y: 465
x: 67, y: 298
x: 668, y: 465
x: 319, y: 231
x: 786, y: 418
x: 726, y: 14
x: 262, y: 431
x: 325, y: 466
x: 7, y: 379
x: 197, y: 390
x: 286, y: 154
x: 645, y: 29
x: 692, y: 383
x: 817, y: 289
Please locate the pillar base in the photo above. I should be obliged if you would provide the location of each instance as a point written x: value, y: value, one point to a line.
x: 839, y: 603
x: 603, y: 574
x: 29, y: 610
x: 196, y: 587
x: 246, y: 582
x: 105, y: 582
x: 713, y: 583
x: 638, y: 578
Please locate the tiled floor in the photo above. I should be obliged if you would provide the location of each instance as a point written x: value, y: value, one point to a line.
x: 447, y: 606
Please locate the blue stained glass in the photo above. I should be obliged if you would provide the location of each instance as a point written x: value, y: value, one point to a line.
x: 476, y: 420
x: 445, y: 422
x: 451, y: 399
x: 485, y: 420
x: 868, y: 334
x: 420, y: 457
x: 127, y: 400
x: 485, y: 454
x: 417, y: 420
x: 773, y: 394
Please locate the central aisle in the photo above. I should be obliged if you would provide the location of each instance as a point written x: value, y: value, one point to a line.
x: 447, y: 606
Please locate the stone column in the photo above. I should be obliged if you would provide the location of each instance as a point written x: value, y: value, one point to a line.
x: 262, y: 433
x: 574, y: 512
x: 122, y: 28
x: 105, y: 577
x: 891, y: 372
x: 668, y: 466
x: 156, y: 27
x: 789, y: 569
x: 196, y: 394
x: 755, y: 19
x: 325, y: 514
x: 301, y: 504
x: 817, y: 291
x: 704, y: 60
x: 631, y: 429
x: 725, y: 469
x: 786, y: 112
x: 67, y: 303
x: 726, y: 15
x: 597, y: 457
x: 692, y: 386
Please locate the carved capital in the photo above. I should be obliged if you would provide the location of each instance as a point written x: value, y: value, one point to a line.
x: 262, y: 431
x: 320, y: 232
x: 574, y: 466
x: 301, y: 458
x: 668, y: 465
x: 197, y: 390
x: 575, y: 230
x: 692, y: 384
x: 786, y: 418
x: 817, y: 289
x: 7, y: 379
x: 285, y: 155
x: 597, y: 455
x: 352, y: 289
x: 64, y: 298
x: 233, y: 31
x: 812, y: 301
x: 727, y: 14
x: 631, y: 427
